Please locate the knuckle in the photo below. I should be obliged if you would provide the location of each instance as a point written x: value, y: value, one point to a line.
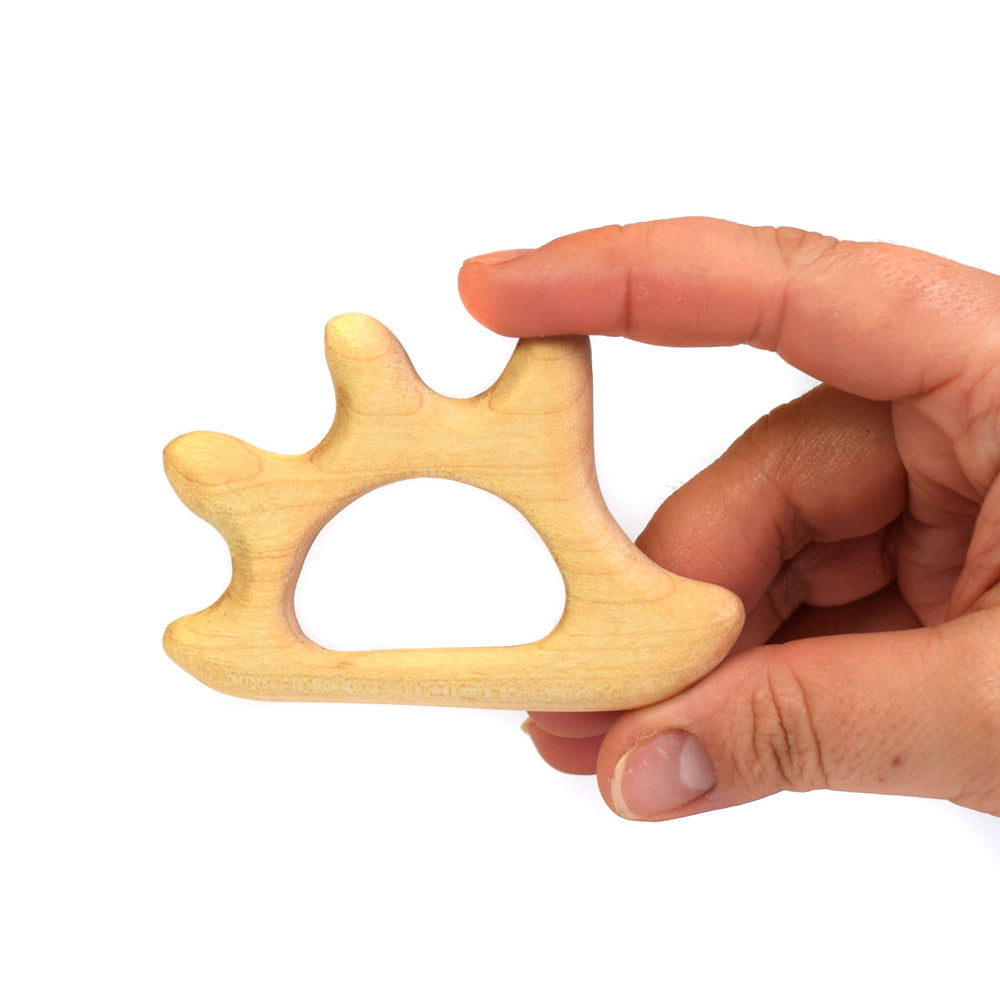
x: 800, y: 248
x: 795, y: 251
x: 781, y: 747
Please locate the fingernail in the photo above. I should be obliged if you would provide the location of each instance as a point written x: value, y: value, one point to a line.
x: 497, y: 257
x: 662, y: 773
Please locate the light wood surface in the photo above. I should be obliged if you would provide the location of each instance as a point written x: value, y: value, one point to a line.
x: 631, y: 633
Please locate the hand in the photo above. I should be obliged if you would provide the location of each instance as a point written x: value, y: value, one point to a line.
x: 860, y: 524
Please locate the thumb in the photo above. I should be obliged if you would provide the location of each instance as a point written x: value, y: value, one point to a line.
x: 909, y: 713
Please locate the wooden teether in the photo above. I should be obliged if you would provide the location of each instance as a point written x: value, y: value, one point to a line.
x: 631, y: 633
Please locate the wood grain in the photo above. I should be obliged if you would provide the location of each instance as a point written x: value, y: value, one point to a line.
x: 631, y: 633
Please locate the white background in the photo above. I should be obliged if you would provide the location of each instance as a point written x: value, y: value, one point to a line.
x: 190, y: 190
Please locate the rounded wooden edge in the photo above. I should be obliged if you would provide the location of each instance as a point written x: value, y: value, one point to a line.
x: 555, y: 672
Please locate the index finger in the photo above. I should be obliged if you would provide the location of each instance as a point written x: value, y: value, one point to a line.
x: 874, y: 319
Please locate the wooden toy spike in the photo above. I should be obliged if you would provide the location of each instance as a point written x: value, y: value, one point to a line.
x: 631, y: 633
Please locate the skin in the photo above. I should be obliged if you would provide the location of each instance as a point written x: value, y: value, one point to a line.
x: 860, y: 524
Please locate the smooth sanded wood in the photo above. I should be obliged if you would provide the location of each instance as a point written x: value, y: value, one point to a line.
x: 631, y: 633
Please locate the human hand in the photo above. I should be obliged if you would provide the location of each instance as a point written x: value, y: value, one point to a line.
x: 860, y: 524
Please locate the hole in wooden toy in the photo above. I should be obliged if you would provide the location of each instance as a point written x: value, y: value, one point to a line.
x: 428, y: 563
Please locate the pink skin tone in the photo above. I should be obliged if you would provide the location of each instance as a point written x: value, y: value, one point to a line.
x: 860, y: 524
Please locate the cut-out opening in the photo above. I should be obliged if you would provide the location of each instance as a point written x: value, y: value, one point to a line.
x: 428, y: 563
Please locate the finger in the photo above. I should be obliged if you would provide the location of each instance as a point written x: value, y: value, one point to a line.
x: 574, y: 725
x: 884, y: 712
x: 874, y: 319
x: 981, y: 571
x: 821, y: 469
x: 572, y: 756
x: 824, y: 576
x: 885, y: 611
x: 569, y: 741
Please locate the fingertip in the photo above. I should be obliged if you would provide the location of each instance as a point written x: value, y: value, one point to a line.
x: 672, y: 759
x: 570, y: 285
x: 660, y: 775
x: 494, y: 258
x: 571, y: 756
x: 478, y: 289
